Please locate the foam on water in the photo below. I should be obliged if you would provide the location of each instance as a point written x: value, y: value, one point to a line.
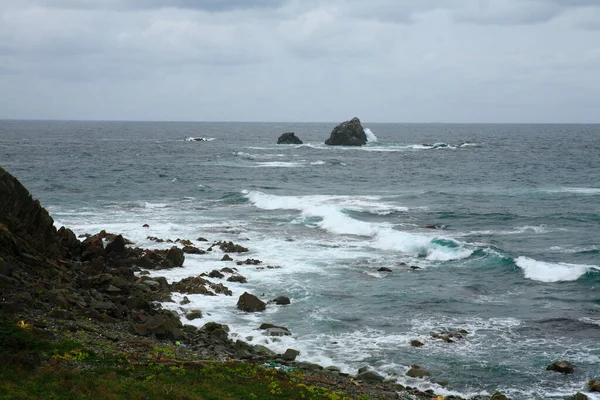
x: 552, y: 272
x: 329, y: 210
x: 575, y: 190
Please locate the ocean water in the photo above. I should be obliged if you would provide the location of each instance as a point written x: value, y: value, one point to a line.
x: 517, y: 265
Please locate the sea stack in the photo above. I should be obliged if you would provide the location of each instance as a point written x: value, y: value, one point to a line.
x: 289, y: 138
x: 348, y: 133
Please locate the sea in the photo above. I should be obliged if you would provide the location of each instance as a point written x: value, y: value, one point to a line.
x: 514, y: 258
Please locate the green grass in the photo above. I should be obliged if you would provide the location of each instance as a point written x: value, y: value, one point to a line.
x: 33, y: 368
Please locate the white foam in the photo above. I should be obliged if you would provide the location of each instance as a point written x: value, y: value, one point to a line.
x: 278, y: 164
x: 371, y: 138
x: 329, y: 209
x: 575, y: 190
x: 552, y: 272
x: 319, y: 162
x: 199, y: 139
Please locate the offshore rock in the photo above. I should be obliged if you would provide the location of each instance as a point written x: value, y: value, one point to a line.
x: 348, y: 133
x: 289, y: 138
x: 250, y: 303
x: 564, y: 367
x: 176, y: 256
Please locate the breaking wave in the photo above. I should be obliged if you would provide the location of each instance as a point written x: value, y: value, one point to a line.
x: 547, y: 272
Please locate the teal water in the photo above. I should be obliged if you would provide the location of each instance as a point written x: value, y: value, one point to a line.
x: 517, y: 264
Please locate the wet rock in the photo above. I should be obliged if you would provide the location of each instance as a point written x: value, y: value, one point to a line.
x: 579, y: 396
x: 384, y: 269
x: 184, y: 242
x: 594, y: 385
x: 237, y: 278
x: 228, y: 270
x: 281, y: 301
x: 215, y: 274
x: 201, y: 239
x: 249, y: 261
x: 117, y: 245
x: 230, y: 247
x: 226, y: 257
x: 192, y: 250
x: 185, y: 301
x: 564, y: 367
x: 175, y: 256
x: 290, y: 355
x: 195, y: 314
x: 199, y: 285
x: 450, y: 336
x: 417, y: 372
x: 155, y: 239
x: 250, y: 303
x: 306, y: 366
x: 370, y: 377
x: 417, y: 343
x: 288, y: 138
x: 145, y: 226
x: 499, y: 396
x: 414, y: 267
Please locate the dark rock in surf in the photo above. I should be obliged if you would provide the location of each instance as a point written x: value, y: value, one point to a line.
x: 289, y: 138
x: 281, y: 301
x: 226, y: 258
x: 250, y: 303
x: 175, y: 256
x: 499, y: 396
x: 417, y: 372
x: 417, y: 343
x: 348, y: 133
x: 384, y: 269
x: 594, y: 385
x: 579, y: 396
x: 562, y: 366
x: 237, y: 278
x: 116, y: 246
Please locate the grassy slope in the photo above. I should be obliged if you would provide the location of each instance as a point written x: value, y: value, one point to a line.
x: 33, y: 368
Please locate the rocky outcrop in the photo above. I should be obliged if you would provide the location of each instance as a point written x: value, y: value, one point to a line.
x: 564, y: 367
x: 349, y: 133
x: 289, y: 138
x: 25, y: 226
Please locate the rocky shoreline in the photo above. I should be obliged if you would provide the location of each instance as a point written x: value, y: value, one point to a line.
x: 100, y: 288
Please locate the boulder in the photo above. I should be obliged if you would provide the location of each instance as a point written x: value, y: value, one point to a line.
x: 281, y: 301
x: 163, y: 326
x: 348, y: 133
x: 226, y: 257
x: 370, y: 377
x: 417, y: 343
x: 290, y: 355
x: 417, y: 372
x: 499, y: 396
x: 176, y: 256
x: 564, y: 367
x: 230, y: 247
x: 237, y: 278
x: 195, y: 314
x: 289, y: 138
x: 250, y: 303
x: 384, y: 269
x: 594, y: 385
x: 117, y: 245
x: 579, y: 396
x: 192, y: 250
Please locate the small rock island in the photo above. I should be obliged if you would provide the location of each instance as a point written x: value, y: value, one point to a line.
x: 348, y: 133
x: 289, y: 138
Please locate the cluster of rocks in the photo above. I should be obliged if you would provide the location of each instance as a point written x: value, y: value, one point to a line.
x: 348, y: 133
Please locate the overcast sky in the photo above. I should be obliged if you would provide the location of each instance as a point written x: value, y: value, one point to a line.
x: 301, y: 60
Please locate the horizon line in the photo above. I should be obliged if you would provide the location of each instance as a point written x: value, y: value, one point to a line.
x: 290, y: 122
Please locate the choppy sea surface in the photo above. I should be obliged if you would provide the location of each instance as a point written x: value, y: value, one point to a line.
x: 517, y: 263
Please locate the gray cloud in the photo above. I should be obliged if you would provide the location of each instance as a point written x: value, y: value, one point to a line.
x: 204, y: 5
x: 301, y: 60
